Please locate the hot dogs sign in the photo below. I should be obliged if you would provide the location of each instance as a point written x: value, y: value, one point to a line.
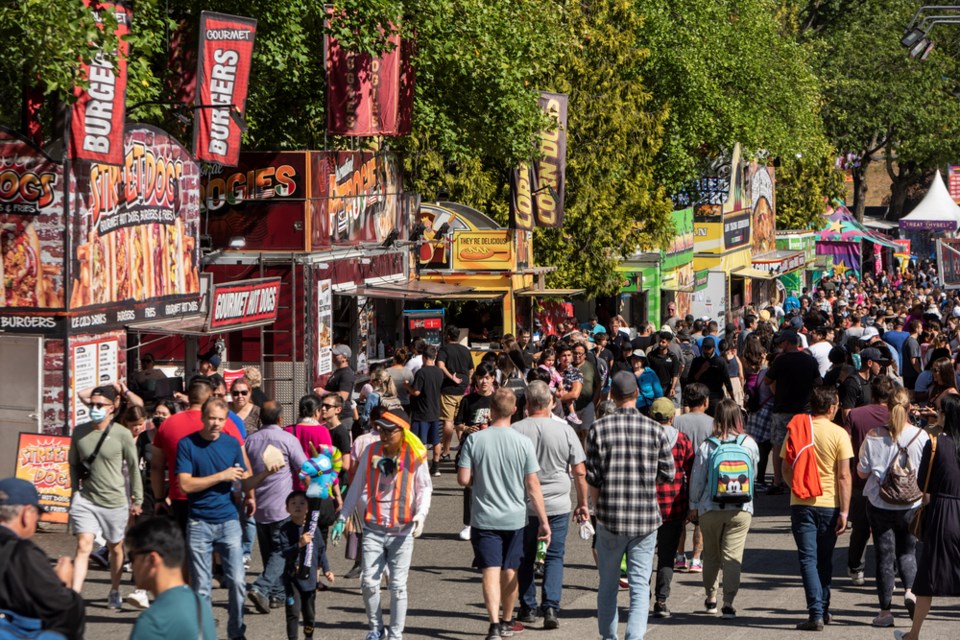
x: 135, y: 225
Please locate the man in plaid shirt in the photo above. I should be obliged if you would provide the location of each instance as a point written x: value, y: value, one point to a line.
x: 674, y: 500
x: 627, y: 455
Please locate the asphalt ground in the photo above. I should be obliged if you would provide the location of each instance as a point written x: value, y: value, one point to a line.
x: 445, y: 600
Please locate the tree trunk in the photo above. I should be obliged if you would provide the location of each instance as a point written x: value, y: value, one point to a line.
x: 860, y: 187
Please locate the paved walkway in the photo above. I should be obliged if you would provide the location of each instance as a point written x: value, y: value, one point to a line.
x: 445, y: 601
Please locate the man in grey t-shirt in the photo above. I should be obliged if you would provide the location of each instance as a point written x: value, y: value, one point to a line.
x: 501, y: 466
x: 559, y: 452
x: 698, y: 426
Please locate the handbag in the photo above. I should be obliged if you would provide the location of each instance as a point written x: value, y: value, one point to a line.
x: 86, y: 465
x: 899, y: 485
x: 916, y: 525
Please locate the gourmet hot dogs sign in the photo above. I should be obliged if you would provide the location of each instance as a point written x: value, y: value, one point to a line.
x: 135, y: 226
x: 244, y: 303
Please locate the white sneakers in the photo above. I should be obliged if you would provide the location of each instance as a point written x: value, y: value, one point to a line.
x: 138, y: 599
x: 465, y: 534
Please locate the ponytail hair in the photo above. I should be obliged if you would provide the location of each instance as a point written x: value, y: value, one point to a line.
x: 899, y: 406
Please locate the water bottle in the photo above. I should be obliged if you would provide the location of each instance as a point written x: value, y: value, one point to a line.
x: 237, y: 486
x: 541, y: 554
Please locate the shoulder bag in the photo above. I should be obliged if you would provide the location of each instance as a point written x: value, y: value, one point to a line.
x: 86, y: 465
x: 916, y: 526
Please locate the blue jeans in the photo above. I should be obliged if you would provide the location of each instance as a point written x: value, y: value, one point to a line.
x: 249, y: 530
x: 203, y: 538
x: 814, y: 530
x: 381, y: 550
x: 552, y: 564
x: 610, y: 550
x: 270, y: 582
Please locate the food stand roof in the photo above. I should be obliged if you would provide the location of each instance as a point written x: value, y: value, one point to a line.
x: 410, y: 290
x: 548, y: 293
x: 841, y: 226
x: 937, y: 210
x: 750, y: 272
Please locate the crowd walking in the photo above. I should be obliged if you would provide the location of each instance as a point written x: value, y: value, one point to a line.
x: 645, y: 445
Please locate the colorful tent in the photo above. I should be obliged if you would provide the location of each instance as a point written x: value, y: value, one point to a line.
x: 841, y: 239
x: 936, y: 212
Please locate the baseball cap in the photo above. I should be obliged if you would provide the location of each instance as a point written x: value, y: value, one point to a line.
x: 869, y: 334
x: 787, y: 335
x: 14, y: 491
x: 599, y: 329
x: 764, y: 315
x: 708, y: 342
x: 108, y: 392
x: 796, y: 323
x: 341, y: 350
x: 212, y: 357
x: 662, y: 409
x: 666, y: 329
x: 389, y: 420
x: 873, y: 354
x: 624, y: 384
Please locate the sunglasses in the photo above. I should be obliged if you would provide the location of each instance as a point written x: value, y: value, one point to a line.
x: 238, y: 392
x: 99, y: 405
x: 328, y: 406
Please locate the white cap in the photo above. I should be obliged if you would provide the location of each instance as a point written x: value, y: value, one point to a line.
x: 666, y: 328
x: 869, y: 333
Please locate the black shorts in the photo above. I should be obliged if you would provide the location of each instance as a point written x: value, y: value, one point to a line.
x: 495, y: 548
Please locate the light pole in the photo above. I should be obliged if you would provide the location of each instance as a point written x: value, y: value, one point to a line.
x: 916, y: 37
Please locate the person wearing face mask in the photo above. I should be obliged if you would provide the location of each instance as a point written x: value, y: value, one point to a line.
x: 98, y: 450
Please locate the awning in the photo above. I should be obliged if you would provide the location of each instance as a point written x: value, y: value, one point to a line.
x: 548, y: 293
x: 756, y: 274
x: 677, y: 288
x: 192, y: 325
x: 411, y: 290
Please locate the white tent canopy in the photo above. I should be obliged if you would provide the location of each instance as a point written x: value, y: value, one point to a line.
x: 937, y: 210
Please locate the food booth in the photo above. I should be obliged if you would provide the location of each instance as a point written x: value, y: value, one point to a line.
x: 88, y: 248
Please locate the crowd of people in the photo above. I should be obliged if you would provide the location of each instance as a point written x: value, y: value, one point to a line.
x: 849, y: 395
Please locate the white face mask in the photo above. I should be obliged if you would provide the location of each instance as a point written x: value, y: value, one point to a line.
x: 98, y: 414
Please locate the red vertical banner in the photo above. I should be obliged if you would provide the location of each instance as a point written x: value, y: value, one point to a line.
x: 97, y: 117
x: 369, y: 96
x: 223, y: 74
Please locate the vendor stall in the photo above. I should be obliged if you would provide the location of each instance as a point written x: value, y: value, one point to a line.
x: 851, y: 246
x: 87, y: 249
x: 936, y: 215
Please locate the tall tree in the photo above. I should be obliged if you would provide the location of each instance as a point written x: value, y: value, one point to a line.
x: 876, y: 101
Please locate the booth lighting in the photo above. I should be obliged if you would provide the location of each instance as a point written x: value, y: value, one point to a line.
x: 238, y: 242
x: 417, y: 232
x: 443, y: 230
x: 911, y: 37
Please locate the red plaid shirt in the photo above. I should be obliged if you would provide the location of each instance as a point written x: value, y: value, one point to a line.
x: 673, y: 496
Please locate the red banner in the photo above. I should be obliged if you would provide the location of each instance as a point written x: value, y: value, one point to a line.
x: 97, y: 117
x: 369, y: 96
x: 245, y: 302
x: 223, y: 73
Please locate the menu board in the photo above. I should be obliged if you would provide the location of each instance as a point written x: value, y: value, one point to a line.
x: 94, y: 363
x: 324, y: 327
x: 43, y: 460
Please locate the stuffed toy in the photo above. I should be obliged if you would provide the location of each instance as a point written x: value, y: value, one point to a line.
x: 321, y: 471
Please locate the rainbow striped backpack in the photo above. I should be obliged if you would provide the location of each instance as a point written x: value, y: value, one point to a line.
x: 731, y: 472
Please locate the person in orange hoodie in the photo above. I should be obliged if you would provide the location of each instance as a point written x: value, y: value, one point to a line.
x: 817, y: 518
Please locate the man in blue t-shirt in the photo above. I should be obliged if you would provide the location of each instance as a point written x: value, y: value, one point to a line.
x: 210, y: 469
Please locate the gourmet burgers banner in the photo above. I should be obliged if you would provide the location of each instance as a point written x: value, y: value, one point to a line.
x: 223, y: 72
x: 369, y: 96
x: 97, y: 117
x: 31, y: 226
x: 135, y: 227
